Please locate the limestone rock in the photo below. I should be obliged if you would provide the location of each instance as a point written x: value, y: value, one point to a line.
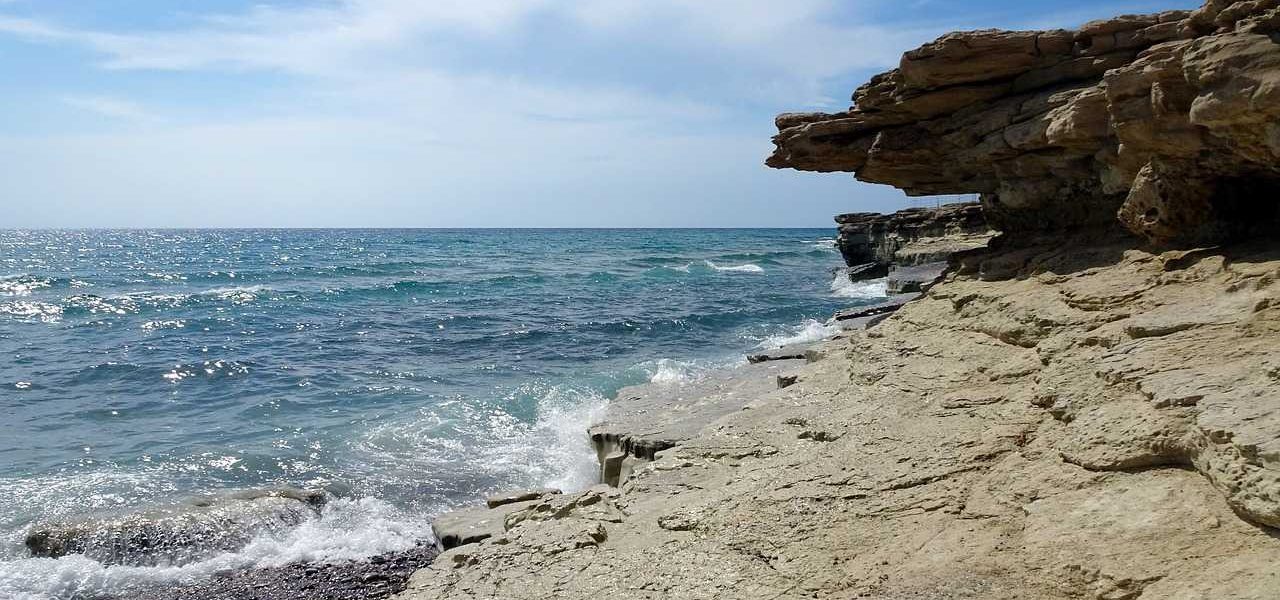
x: 472, y: 525
x: 518, y: 496
x: 1171, y: 121
x: 872, y: 244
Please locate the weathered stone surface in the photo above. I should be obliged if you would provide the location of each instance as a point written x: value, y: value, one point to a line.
x: 518, y: 496
x: 1171, y: 120
x: 880, y: 308
x: 909, y: 237
x: 792, y: 352
x: 471, y: 525
x: 647, y: 419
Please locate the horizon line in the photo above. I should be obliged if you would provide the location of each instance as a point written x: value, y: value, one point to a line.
x: 374, y: 228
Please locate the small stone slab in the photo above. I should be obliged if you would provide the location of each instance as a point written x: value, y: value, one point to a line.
x: 792, y: 352
x: 472, y: 525
x: 888, y: 306
x: 518, y: 496
x: 903, y: 280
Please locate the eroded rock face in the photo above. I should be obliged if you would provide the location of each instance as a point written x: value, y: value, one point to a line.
x: 1169, y: 121
x: 911, y: 247
x: 911, y: 237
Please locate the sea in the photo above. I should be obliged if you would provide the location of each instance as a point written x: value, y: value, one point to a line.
x: 405, y: 371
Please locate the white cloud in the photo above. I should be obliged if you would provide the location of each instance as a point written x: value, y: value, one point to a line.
x: 379, y: 126
x: 116, y: 108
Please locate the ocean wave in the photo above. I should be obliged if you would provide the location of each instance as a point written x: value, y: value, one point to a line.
x: 39, y: 311
x: 747, y: 268
x: 238, y: 294
x: 871, y: 289
x: 671, y: 372
x: 23, y: 285
x: 810, y: 331
x: 501, y: 445
x: 209, y: 369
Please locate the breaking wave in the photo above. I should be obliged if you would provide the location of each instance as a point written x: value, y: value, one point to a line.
x: 871, y: 289
x: 812, y: 330
x: 747, y: 268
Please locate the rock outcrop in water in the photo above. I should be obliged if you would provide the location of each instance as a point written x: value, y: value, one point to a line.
x: 1168, y: 121
x: 1071, y: 413
x: 179, y: 534
x: 910, y: 247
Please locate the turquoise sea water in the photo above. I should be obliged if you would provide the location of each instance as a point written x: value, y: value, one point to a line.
x: 410, y: 370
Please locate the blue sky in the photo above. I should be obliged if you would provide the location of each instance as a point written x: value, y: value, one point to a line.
x: 467, y: 113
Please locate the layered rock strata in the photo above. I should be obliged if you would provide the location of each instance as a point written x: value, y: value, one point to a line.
x: 872, y: 242
x: 910, y: 247
x: 1169, y: 121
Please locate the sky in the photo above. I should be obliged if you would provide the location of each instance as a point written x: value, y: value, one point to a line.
x: 447, y: 113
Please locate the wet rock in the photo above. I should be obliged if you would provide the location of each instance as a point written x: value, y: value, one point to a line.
x: 379, y: 577
x: 648, y: 419
x: 195, y: 529
x: 883, y: 308
x: 792, y: 352
x: 518, y: 496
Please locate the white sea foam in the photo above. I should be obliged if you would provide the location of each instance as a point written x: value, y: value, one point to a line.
x: 870, y: 289
x: 43, y: 311
x: 22, y: 285
x: 238, y: 294
x: 492, y: 444
x: 346, y: 530
x: 747, y: 268
x: 811, y: 330
x: 670, y: 372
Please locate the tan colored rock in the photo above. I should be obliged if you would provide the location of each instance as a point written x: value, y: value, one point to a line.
x: 1056, y: 129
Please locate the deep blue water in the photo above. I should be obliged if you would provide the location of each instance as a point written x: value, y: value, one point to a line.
x: 413, y: 369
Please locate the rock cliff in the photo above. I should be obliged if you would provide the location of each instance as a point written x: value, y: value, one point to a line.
x: 911, y: 237
x: 1169, y: 121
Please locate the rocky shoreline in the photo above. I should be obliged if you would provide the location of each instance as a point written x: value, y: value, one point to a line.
x: 379, y: 577
x: 1086, y: 407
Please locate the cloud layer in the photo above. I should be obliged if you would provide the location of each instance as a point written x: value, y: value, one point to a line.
x: 442, y: 113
